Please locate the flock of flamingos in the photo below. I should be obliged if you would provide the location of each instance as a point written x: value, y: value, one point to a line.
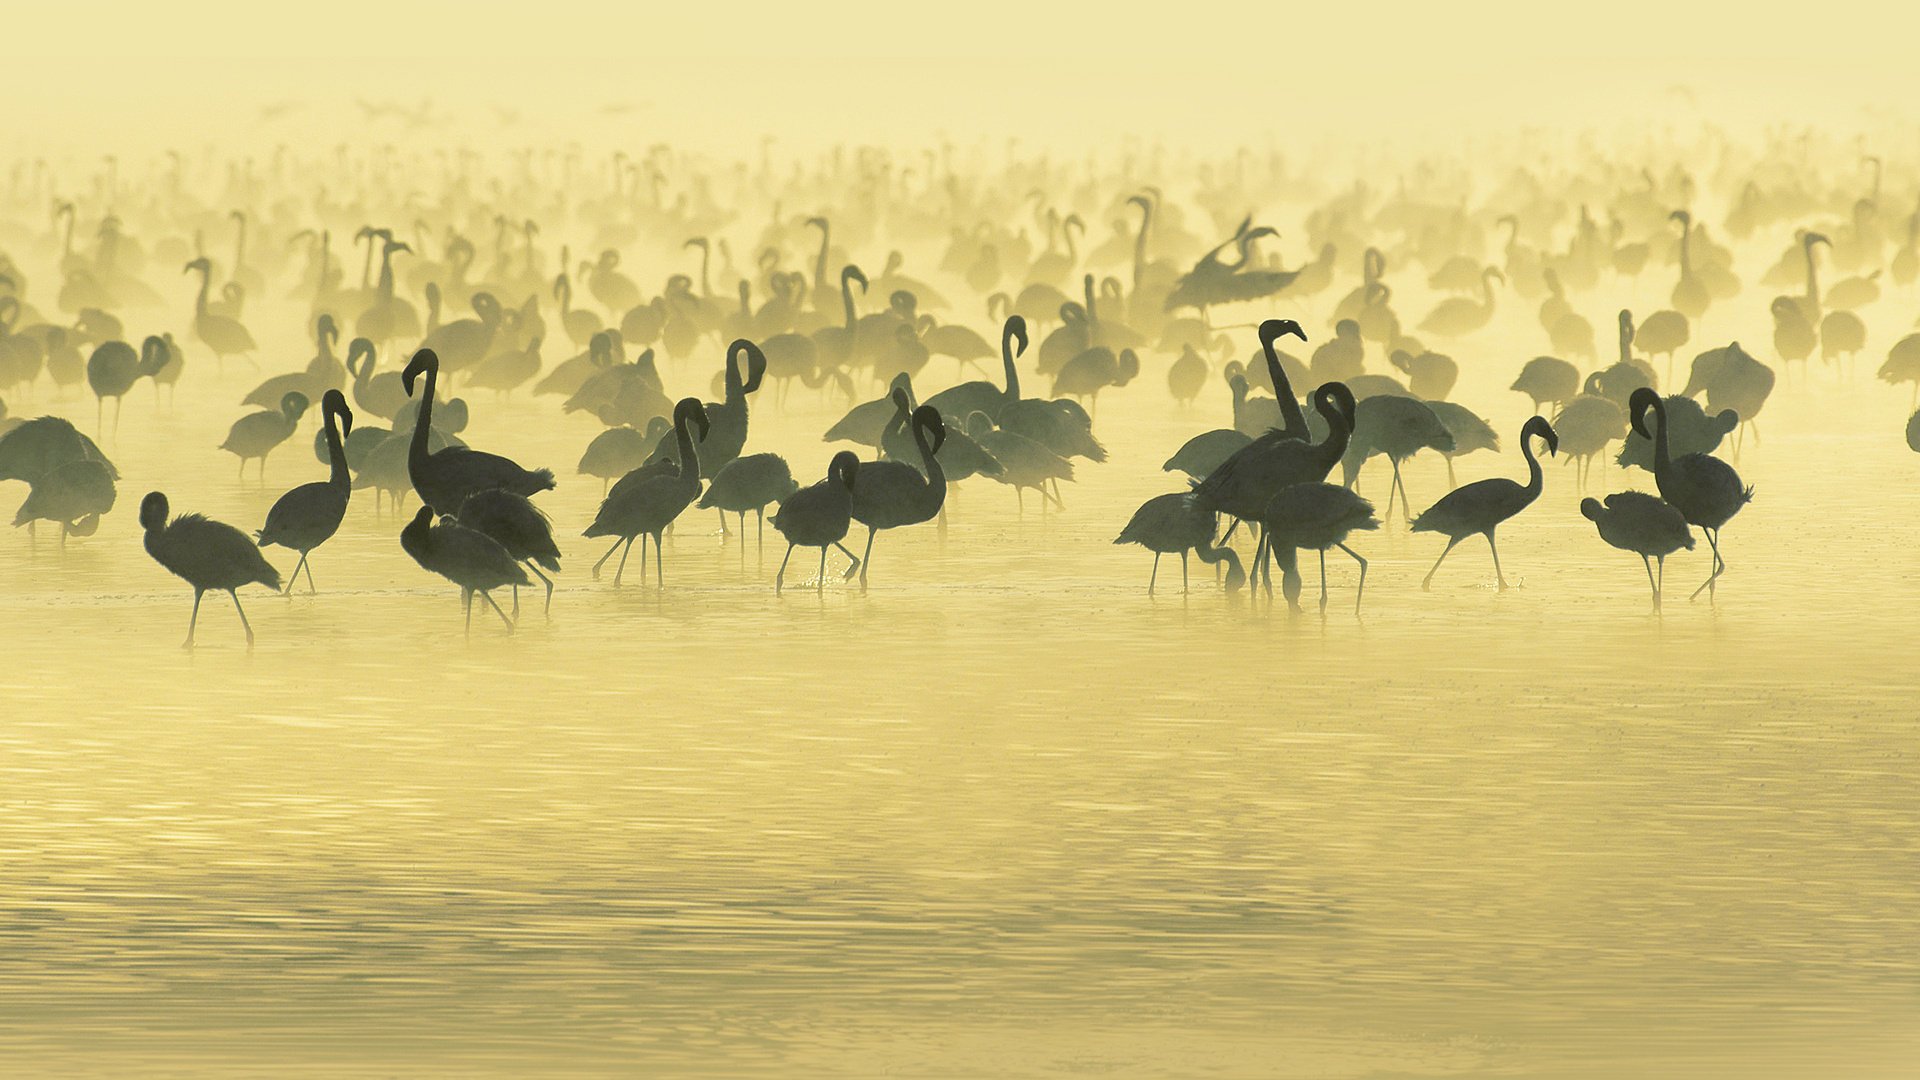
x: 452, y: 284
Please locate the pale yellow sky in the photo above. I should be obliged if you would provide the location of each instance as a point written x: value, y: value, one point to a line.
x: 94, y: 72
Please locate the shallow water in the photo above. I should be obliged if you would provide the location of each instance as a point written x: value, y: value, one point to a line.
x: 1004, y: 814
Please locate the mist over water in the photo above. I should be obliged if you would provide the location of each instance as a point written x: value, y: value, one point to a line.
x: 1004, y: 813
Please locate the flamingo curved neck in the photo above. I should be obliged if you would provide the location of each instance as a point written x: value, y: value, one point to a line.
x: 1660, y: 454
x: 1012, y: 373
x: 422, y: 420
x: 1535, y: 480
x: 1293, y: 422
x: 338, y: 477
x: 936, y: 487
x: 689, y: 458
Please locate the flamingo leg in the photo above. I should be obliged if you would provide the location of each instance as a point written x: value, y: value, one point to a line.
x: 854, y: 565
x: 1183, y: 568
x: 1363, y: 577
x: 1155, y: 576
x: 604, y: 558
x: 866, y: 560
x: 1719, y: 566
x: 659, y: 564
x: 1451, y: 482
x: 488, y: 597
x: 1655, y: 585
x: 820, y: 579
x: 1426, y: 583
x: 1406, y: 512
x: 308, y: 563
x: 623, y: 559
x: 782, y: 572
x: 1495, y: 548
x: 545, y: 580
x: 193, y: 622
x: 244, y: 624
x: 466, y: 605
x: 295, y: 576
x: 1323, y: 581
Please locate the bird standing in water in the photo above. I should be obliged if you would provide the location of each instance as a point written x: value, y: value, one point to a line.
x: 206, y: 554
x: 310, y: 514
x: 1643, y: 524
x: 1705, y: 490
x: 1480, y: 507
x: 819, y: 516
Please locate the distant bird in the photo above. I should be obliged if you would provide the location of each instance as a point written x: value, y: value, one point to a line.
x: 256, y: 434
x: 1793, y: 336
x: 381, y: 395
x: 1187, y: 376
x: 819, y: 516
x: 1732, y: 380
x: 223, y: 335
x: 1468, y: 430
x: 1548, y: 380
x: 1340, y: 357
x: 468, y: 558
x: 654, y: 498
x: 1215, y: 281
x: 1314, y: 517
x: 1588, y: 423
x: 1175, y: 525
x: 1430, y: 375
x: 518, y: 526
x: 1094, y: 370
x: 1398, y: 427
x: 1025, y: 464
x: 1458, y: 316
x: 1903, y: 365
x: 750, y: 482
x: 206, y: 554
x: 1204, y: 452
x: 1662, y: 334
x: 1644, y: 525
x: 445, y: 478
x: 894, y: 494
x: 310, y: 514
x: 1690, y: 295
x: 1689, y: 431
x: 114, y: 368
x: 619, y: 450
x: 1703, y: 488
x: 1479, y: 508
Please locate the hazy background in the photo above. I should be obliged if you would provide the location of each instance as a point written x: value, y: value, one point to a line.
x: 710, y: 74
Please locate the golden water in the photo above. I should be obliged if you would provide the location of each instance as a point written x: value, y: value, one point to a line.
x: 1004, y: 814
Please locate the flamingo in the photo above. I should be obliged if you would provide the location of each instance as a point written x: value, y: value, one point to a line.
x: 206, y: 554
x: 1705, y: 490
x: 470, y: 559
x: 1480, y: 507
x: 892, y: 494
x: 309, y: 515
x: 1643, y: 524
x: 1174, y: 524
x: 444, y: 478
x: 819, y: 516
x: 648, y: 499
